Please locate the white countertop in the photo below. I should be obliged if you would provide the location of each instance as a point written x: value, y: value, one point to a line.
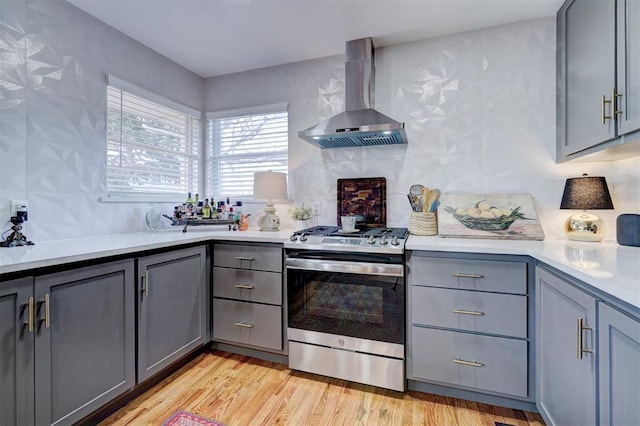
x: 50, y: 253
x: 606, y: 266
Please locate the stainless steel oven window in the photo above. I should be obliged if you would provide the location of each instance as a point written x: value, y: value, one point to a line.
x: 356, y: 304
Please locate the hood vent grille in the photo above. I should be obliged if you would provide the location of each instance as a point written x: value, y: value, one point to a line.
x: 359, y: 124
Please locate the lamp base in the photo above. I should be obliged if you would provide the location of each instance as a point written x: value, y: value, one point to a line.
x: 269, y: 222
x: 584, y: 227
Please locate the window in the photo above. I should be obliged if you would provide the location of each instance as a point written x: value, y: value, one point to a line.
x: 241, y: 142
x: 152, y: 144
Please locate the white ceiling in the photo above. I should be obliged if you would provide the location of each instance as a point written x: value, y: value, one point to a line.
x: 215, y: 37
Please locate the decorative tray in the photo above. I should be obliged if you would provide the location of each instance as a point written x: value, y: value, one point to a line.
x: 364, y: 196
x: 198, y: 222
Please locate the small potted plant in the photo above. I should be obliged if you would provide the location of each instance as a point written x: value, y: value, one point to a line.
x: 301, y: 215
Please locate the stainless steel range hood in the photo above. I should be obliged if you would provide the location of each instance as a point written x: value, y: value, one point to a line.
x: 359, y: 124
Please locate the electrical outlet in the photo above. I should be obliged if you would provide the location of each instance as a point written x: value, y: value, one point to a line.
x: 316, y: 208
x: 19, y: 206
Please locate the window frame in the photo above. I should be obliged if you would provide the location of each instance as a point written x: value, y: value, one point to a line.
x: 198, y: 141
x: 211, y: 155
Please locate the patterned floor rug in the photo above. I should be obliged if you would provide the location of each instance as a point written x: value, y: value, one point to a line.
x: 185, y: 418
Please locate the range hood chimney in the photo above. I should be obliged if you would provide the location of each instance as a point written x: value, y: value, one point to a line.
x: 359, y: 124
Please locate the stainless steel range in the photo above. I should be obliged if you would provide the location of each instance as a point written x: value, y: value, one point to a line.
x: 346, y: 304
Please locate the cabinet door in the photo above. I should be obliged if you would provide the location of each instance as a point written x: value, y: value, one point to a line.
x: 619, y: 367
x: 84, y: 340
x: 566, y: 383
x: 586, y: 73
x: 172, y: 298
x: 628, y: 66
x: 16, y: 353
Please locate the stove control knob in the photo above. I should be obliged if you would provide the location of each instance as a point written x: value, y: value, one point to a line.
x: 302, y: 237
x: 384, y: 240
x: 293, y: 237
x: 371, y: 239
x: 394, y: 241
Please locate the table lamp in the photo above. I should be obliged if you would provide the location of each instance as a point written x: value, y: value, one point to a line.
x: 585, y: 193
x: 269, y: 186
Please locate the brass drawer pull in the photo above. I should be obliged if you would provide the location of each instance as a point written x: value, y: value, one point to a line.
x: 465, y: 312
x: 245, y: 258
x: 469, y: 363
x: 581, y: 328
x: 463, y: 275
x: 244, y: 286
x: 242, y: 324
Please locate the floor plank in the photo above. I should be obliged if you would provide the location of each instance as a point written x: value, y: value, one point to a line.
x: 239, y: 390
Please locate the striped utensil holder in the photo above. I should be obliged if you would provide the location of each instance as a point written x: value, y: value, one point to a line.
x: 423, y: 223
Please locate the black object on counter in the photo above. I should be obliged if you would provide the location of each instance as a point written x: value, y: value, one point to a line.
x: 628, y: 230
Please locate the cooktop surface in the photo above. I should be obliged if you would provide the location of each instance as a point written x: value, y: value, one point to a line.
x: 336, y: 231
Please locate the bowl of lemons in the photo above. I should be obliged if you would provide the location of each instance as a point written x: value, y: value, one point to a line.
x: 485, y: 217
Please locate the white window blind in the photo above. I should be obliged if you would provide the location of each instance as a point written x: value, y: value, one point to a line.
x: 241, y: 142
x: 152, y: 144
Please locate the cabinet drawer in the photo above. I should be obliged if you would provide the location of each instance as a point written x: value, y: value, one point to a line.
x: 493, y: 313
x: 247, y: 323
x: 240, y: 256
x: 486, y: 363
x: 248, y: 286
x: 487, y: 275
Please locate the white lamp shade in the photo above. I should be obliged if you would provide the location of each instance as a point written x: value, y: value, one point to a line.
x: 268, y: 186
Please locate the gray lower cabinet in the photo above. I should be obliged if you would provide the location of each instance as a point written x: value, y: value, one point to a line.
x: 172, y: 296
x: 566, y: 354
x: 618, y: 367
x: 68, y: 343
x: 468, y: 324
x: 17, y: 352
x: 248, y: 296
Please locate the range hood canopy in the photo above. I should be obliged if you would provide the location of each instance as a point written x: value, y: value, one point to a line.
x: 359, y: 124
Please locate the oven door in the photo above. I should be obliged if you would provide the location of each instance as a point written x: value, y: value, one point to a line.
x: 346, y: 298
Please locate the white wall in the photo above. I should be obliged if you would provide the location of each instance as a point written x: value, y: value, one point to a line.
x: 479, y: 110
x: 53, y: 62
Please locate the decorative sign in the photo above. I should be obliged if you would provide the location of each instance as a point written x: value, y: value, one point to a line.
x: 489, y: 216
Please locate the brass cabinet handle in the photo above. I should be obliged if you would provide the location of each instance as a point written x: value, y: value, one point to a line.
x: 242, y: 324
x: 614, y: 102
x: 145, y: 283
x: 465, y: 312
x: 581, y: 328
x: 245, y: 258
x: 469, y: 363
x: 30, y: 306
x: 604, y: 117
x: 46, y: 311
x: 244, y: 286
x: 462, y: 275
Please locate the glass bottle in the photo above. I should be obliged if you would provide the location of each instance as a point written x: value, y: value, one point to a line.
x: 206, y: 210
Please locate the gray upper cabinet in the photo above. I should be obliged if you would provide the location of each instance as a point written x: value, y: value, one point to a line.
x: 628, y: 54
x: 16, y: 352
x: 618, y: 367
x: 172, y: 307
x: 565, y: 352
x: 598, y: 96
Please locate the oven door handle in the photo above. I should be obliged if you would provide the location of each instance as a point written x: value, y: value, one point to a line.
x: 364, y: 268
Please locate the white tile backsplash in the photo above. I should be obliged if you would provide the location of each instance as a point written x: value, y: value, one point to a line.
x: 479, y: 110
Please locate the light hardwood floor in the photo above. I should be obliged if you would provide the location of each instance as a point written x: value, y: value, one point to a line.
x: 239, y: 390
